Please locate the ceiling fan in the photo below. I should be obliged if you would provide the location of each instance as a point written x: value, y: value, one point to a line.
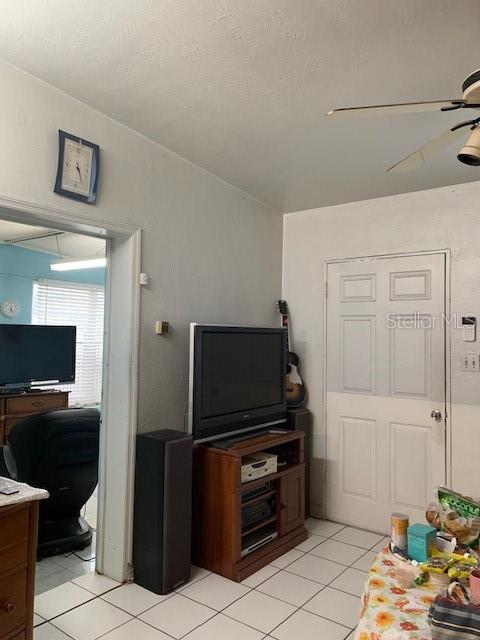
x: 469, y: 154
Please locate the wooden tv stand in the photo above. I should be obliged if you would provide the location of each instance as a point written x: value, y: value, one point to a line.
x: 218, y: 534
x: 17, y: 406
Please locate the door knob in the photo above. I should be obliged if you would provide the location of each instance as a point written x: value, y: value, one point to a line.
x: 436, y: 415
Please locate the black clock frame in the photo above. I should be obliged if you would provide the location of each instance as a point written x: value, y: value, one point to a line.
x: 91, y: 198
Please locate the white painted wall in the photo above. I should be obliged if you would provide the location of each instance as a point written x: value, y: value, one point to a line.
x: 445, y: 218
x: 212, y: 251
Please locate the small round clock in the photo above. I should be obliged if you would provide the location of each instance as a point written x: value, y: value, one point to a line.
x: 10, y: 308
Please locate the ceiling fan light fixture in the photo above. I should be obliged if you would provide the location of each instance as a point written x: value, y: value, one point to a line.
x: 470, y: 153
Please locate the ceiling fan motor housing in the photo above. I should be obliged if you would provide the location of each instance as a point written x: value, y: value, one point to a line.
x: 471, y: 87
x: 470, y: 154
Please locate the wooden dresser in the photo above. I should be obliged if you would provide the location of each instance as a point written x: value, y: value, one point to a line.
x: 18, y: 550
x: 14, y: 407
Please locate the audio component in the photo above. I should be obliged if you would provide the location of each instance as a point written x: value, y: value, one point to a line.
x: 162, y: 510
x: 258, y: 465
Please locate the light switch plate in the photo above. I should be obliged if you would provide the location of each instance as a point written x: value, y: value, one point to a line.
x: 470, y: 362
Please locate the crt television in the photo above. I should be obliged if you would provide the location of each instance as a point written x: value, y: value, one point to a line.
x: 237, y: 379
x: 36, y: 354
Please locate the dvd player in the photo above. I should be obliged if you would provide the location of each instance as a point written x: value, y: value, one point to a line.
x: 258, y: 542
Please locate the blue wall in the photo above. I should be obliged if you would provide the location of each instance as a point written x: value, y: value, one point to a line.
x: 19, y: 268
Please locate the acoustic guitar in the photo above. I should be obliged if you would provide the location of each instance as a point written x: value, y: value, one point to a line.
x: 294, y: 384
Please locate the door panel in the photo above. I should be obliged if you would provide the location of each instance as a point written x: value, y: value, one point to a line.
x: 410, y: 376
x: 357, y: 352
x: 292, y: 501
x: 358, y: 435
x: 410, y: 450
x: 385, y: 375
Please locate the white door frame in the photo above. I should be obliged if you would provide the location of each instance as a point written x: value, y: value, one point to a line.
x: 119, y: 415
x: 448, y: 357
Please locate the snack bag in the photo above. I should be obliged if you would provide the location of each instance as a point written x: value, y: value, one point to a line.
x: 459, y: 516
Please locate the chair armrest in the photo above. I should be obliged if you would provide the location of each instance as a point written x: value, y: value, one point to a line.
x: 3, y: 466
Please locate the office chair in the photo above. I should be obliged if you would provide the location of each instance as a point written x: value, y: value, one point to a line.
x: 57, y: 451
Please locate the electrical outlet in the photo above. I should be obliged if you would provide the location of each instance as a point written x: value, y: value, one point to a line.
x: 470, y: 362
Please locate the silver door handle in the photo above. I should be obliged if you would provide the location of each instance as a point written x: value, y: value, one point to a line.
x: 436, y: 415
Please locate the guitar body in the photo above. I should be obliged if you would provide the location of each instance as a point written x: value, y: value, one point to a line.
x: 295, y: 389
x: 294, y: 384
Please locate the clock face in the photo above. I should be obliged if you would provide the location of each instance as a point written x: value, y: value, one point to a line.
x: 77, y: 167
x: 10, y: 308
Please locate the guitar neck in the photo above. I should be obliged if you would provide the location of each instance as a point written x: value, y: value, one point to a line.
x: 286, y: 324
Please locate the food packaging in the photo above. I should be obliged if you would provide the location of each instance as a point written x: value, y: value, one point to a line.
x: 459, y: 516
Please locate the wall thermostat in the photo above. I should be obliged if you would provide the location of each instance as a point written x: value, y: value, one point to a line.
x: 469, y: 328
x: 162, y: 327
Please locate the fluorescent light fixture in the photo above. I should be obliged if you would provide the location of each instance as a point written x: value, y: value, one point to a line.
x: 73, y: 265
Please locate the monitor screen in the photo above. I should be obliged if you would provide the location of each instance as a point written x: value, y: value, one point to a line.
x: 241, y: 372
x: 36, y: 354
x: 237, y: 378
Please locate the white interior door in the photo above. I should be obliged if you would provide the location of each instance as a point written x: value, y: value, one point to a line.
x: 385, y: 377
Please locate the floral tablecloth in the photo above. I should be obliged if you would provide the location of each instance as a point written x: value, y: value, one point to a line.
x: 389, y: 612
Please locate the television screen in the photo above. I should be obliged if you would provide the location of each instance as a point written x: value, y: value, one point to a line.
x: 36, y: 354
x: 237, y: 378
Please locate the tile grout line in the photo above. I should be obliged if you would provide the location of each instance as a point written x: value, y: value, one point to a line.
x: 250, y: 589
x: 94, y: 597
x: 311, y: 612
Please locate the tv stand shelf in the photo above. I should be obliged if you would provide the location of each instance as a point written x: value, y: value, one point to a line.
x: 218, y: 534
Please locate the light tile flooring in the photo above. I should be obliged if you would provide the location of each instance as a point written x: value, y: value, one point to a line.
x: 57, y: 570
x: 310, y: 593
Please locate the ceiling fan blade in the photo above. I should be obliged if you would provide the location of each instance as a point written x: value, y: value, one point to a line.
x: 385, y: 109
x: 427, y: 151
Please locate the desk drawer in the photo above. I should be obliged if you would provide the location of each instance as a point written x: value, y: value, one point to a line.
x: 13, y: 539
x: 13, y: 601
x: 34, y: 404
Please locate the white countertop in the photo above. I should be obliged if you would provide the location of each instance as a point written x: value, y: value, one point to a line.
x: 25, y: 493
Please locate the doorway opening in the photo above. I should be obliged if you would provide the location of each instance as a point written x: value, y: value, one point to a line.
x: 52, y: 310
x: 120, y: 374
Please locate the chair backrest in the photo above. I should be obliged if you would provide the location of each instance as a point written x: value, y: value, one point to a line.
x: 57, y: 451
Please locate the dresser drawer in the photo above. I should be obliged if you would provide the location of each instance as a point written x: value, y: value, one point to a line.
x: 13, y: 602
x: 35, y: 403
x: 13, y: 538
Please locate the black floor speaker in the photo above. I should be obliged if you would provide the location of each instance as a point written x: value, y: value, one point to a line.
x: 301, y: 420
x: 163, y: 510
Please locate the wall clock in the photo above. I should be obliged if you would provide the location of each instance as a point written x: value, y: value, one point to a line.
x: 78, y: 168
x: 10, y: 308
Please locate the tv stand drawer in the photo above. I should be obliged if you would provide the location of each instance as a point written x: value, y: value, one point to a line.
x: 35, y: 403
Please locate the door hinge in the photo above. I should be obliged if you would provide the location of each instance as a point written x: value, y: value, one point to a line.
x: 326, y: 289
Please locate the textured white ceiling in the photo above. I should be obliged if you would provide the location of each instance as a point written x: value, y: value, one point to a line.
x: 240, y: 86
x: 67, y: 245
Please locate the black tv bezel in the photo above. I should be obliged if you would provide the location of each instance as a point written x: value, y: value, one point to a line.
x: 218, y: 427
x: 25, y: 384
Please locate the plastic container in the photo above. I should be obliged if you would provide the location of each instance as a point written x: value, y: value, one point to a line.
x: 399, y: 522
x: 421, y: 541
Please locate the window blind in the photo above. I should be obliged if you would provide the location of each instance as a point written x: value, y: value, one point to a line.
x: 82, y: 305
